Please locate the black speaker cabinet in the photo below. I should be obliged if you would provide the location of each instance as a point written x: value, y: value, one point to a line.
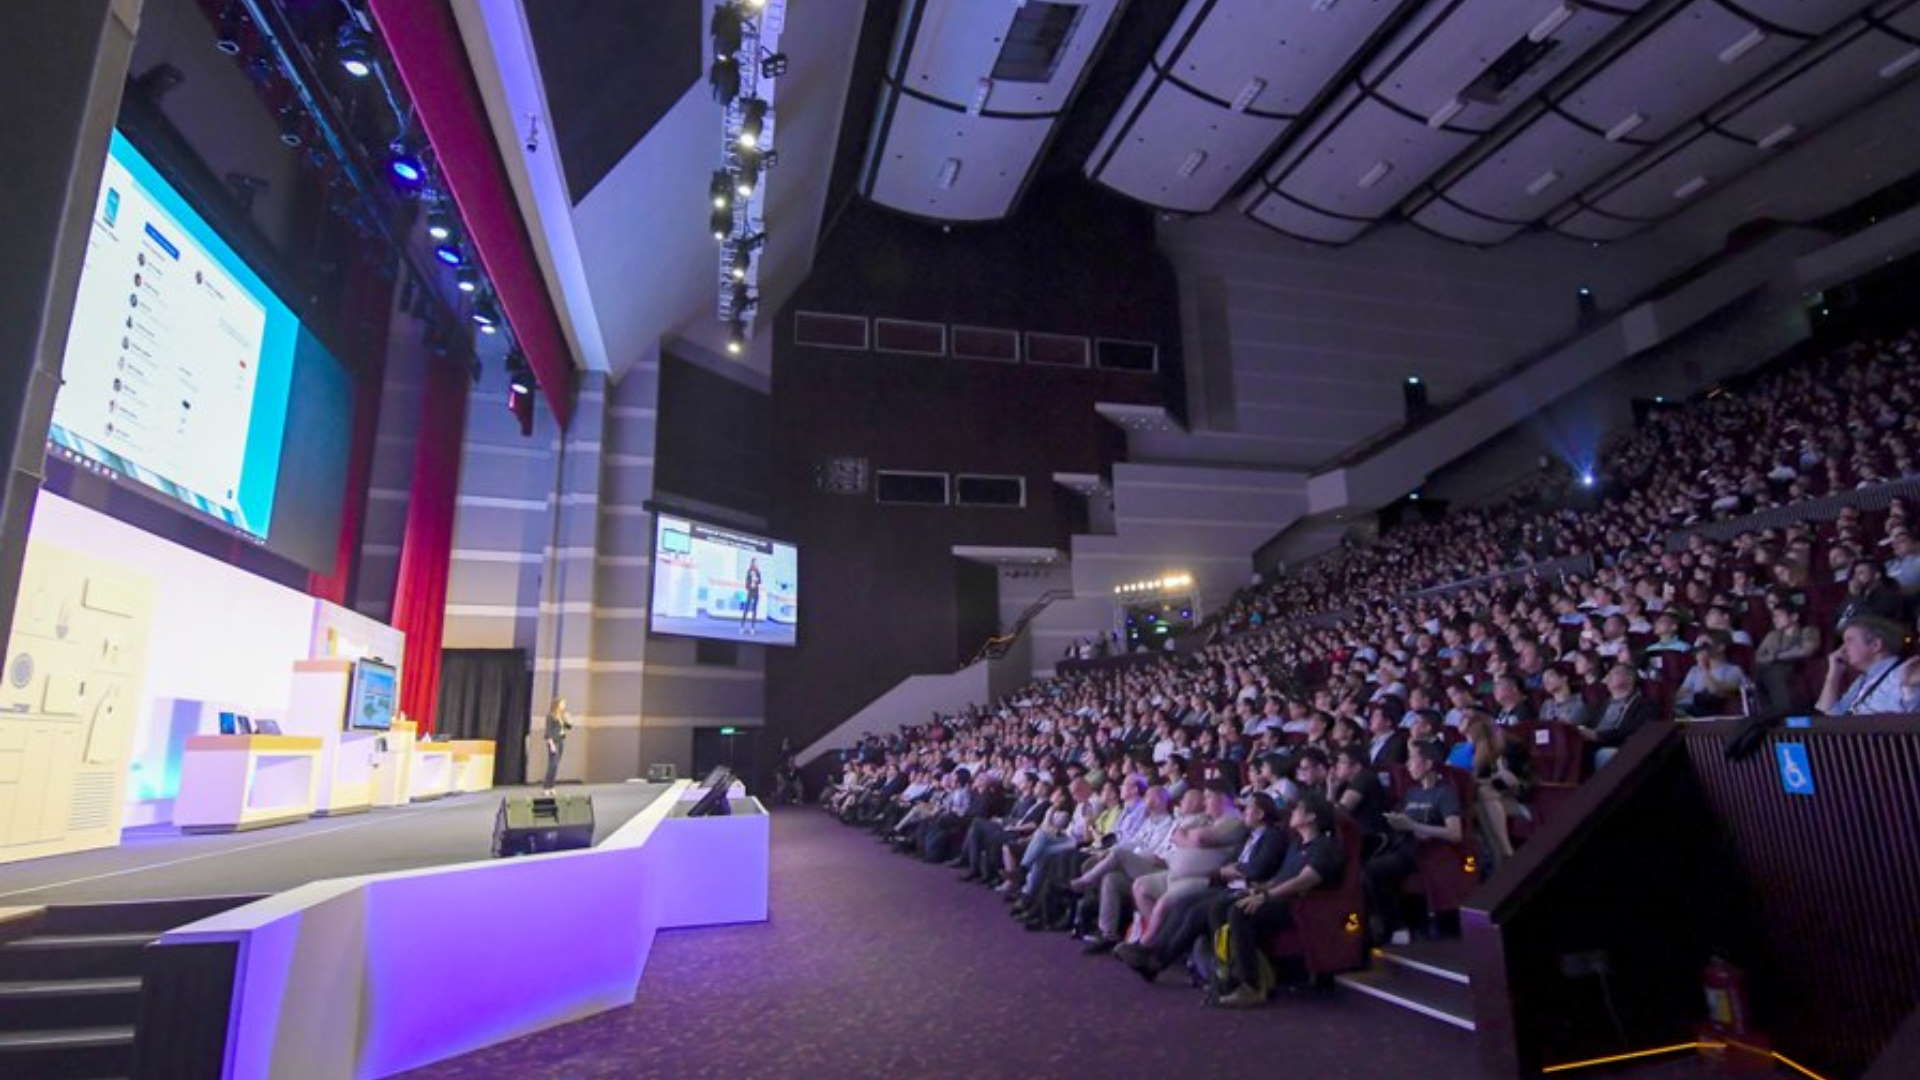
x: 530, y: 824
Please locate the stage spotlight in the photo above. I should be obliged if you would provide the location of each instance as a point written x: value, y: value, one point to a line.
x: 720, y: 189
x: 742, y: 261
x: 753, y: 120
x: 520, y: 378
x: 721, y: 222
x: 485, y: 313
x: 439, y: 224
x: 748, y: 176
x: 452, y: 256
x: 466, y: 279
x: 737, y: 336
x: 728, y: 28
x: 406, y: 169
x: 489, y: 329
x: 354, y: 51
x: 1586, y: 479
x: 724, y: 78
x: 773, y: 65
x: 232, y: 21
x: 289, y: 117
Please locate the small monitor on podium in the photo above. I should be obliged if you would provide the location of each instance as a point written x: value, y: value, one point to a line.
x: 370, y: 704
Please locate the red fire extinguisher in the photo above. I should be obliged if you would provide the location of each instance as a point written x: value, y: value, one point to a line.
x: 1726, y: 989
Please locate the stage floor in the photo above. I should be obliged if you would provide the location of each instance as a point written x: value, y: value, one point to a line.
x: 157, y: 862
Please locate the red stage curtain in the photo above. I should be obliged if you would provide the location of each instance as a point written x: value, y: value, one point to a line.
x: 426, y: 552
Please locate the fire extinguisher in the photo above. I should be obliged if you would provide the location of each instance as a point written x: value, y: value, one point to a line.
x: 1726, y: 990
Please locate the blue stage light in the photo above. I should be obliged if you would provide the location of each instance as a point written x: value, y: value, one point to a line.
x: 1586, y: 479
x: 450, y: 254
x: 407, y: 170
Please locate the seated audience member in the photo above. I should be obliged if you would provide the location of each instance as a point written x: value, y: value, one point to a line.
x: 1713, y: 685
x: 986, y: 837
x: 1430, y: 812
x: 1502, y: 770
x: 1199, y: 848
x: 1780, y: 653
x: 1563, y: 705
x: 1870, y: 650
x: 1314, y: 861
x: 1261, y: 855
x: 1357, y: 790
x: 1667, y: 638
x: 1904, y: 567
x: 1625, y: 711
x: 1868, y: 593
x: 1386, y: 743
x: 1048, y: 838
x: 1111, y: 876
x: 1513, y: 703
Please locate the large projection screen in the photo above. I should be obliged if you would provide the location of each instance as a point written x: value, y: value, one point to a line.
x: 715, y: 582
x: 181, y: 360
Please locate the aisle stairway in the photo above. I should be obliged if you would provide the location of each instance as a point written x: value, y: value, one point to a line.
x: 70, y: 978
x: 1426, y: 977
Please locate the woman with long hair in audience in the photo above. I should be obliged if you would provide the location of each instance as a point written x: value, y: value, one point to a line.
x: 1501, y: 774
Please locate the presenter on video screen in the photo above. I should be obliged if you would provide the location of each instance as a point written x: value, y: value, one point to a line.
x: 750, y: 608
x: 558, y: 724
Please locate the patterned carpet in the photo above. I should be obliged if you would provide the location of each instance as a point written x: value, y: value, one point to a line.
x: 874, y: 965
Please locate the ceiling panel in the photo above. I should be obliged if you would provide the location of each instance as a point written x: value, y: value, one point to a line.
x: 952, y: 142
x: 1228, y: 79
x: 1446, y: 77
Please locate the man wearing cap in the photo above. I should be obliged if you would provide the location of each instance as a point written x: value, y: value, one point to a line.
x: 1870, y: 647
x: 1712, y: 686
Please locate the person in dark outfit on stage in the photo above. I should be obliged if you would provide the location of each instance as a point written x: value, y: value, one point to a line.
x: 558, y: 724
x: 750, y: 607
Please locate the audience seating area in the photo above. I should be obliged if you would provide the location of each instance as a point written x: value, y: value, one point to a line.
x: 1357, y: 746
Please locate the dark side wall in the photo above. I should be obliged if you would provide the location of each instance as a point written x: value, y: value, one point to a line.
x: 882, y: 596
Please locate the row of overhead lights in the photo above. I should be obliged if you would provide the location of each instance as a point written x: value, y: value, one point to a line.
x: 412, y: 177
x: 746, y: 42
x: 1159, y: 584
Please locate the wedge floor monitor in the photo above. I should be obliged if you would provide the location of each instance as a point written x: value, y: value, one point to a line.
x: 715, y: 582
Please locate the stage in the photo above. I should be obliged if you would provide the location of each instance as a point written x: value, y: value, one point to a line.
x: 158, y: 862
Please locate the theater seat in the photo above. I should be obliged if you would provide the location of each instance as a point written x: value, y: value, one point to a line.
x: 1448, y: 872
x: 1329, y: 926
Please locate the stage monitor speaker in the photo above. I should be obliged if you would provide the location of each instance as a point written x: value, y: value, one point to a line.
x: 531, y: 824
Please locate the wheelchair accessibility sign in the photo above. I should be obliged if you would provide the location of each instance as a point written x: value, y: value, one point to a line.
x: 1796, y: 772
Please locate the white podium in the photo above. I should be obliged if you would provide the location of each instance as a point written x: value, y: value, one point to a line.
x: 317, y: 708
x: 234, y: 782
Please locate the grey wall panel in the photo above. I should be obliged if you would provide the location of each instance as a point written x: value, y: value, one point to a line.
x: 723, y: 699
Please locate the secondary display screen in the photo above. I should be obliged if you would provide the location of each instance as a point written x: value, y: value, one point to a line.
x: 370, y: 706
x: 180, y: 359
x: 715, y: 582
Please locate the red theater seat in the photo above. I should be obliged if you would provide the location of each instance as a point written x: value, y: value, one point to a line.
x: 1448, y: 872
x: 1329, y: 927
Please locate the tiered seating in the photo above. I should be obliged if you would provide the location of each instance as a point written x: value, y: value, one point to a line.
x: 1678, y: 604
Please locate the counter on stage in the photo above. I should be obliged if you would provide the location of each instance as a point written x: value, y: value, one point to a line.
x: 472, y: 763
x: 234, y: 782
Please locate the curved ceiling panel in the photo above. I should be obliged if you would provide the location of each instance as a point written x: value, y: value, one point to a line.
x: 1445, y: 78
x: 1651, y: 80
x: 1851, y: 65
x: 971, y: 96
x: 1229, y: 78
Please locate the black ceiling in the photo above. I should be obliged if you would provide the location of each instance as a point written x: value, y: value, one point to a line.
x: 611, y: 71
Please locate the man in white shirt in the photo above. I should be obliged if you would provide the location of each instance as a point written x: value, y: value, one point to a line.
x: 1904, y: 567
x: 1870, y: 646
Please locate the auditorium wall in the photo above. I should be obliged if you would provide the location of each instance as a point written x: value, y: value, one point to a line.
x: 880, y: 585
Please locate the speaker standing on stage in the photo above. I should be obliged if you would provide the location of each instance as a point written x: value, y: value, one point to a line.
x: 750, y: 607
x: 558, y: 724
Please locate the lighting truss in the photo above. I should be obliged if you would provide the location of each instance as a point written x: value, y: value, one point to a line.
x: 760, y: 37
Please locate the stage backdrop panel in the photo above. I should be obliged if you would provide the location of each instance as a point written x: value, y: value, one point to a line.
x: 225, y: 641
x: 76, y: 665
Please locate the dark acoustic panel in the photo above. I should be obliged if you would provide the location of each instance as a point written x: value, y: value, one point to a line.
x: 1140, y: 356
x: 910, y: 488
x: 824, y: 331
x: 914, y: 338
x: 1005, y: 491
x: 712, y: 442
x: 985, y: 343
x: 709, y: 653
x: 611, y: 72
x: 1057, y: 350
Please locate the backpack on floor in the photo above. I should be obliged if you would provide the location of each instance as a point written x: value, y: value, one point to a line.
x: 1223, y: 965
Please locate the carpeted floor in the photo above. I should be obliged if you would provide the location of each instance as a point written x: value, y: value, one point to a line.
x: 875, y: 965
